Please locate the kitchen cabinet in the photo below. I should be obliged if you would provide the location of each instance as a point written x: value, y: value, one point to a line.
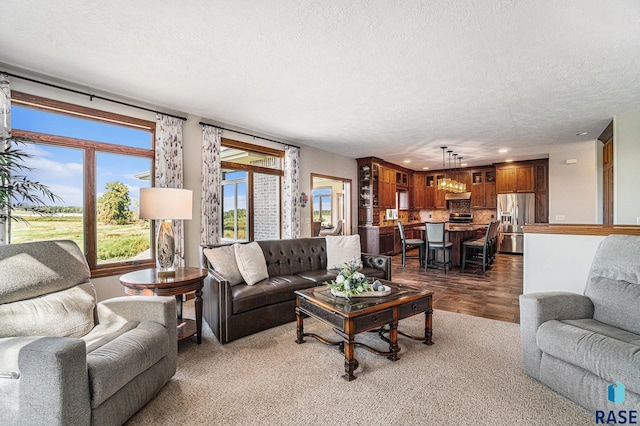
x: 440, y: 201
x: 483, y: 189
x: 419, y: 191
x: 430, y: 192
x: 514, y: 178
x: 369, y: 191
x: 542, y: 192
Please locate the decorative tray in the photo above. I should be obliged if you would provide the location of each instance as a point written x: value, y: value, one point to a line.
x: 385, y: 292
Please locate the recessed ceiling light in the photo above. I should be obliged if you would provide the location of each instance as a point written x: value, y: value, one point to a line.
x: 425, y: 168
x: 509, y: 160
x: 406, y: 161
x: 582, y: 133
x: 463, y: 165
x: 503, y: 150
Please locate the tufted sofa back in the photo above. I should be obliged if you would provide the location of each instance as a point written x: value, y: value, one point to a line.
x: 289, y: 257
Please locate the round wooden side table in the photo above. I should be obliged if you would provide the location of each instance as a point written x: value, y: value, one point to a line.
x: 145, y: 282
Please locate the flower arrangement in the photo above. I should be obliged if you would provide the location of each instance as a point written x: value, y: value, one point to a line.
x: 350, y: 281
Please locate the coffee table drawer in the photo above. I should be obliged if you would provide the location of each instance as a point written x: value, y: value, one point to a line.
x: 376, y: 319
x: 413, y: 308
x: 320, y: 313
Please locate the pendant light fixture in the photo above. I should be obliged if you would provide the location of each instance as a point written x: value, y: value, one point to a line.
x: 447, y: 184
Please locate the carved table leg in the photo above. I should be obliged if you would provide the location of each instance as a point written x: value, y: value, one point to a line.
x: 198, y: 303
x: 299, y: 327
x: 350, y: 363
x: 393, y: 341
x: 428, y: 328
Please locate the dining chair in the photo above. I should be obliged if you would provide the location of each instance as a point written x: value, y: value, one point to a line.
x: 436, y: 241
x: 409, y: 243
x: 478, y: 251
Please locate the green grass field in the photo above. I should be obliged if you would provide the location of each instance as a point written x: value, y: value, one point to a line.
x: 115, y: 242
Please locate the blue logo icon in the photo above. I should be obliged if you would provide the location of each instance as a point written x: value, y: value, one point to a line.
x: 616, y: 393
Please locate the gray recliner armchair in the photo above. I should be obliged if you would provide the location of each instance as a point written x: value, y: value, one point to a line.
x: 580, y: 345
x: 67, y: 360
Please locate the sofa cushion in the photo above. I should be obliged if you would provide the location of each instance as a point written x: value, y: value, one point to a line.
x: 267, y: 292
x: 342, y: 249
x: 65, y: 313
x: 223, y: 260
x: 321, y: 276
x: 251, y: 262
x: 603, y: 350
x: 114, y: 364
x: 105, y: 332
x: 613, y: 284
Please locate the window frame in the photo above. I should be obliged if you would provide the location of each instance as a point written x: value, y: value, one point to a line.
x: 89, y: 149
x: 230, y: 143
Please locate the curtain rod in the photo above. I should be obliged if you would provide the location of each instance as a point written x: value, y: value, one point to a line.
x: 247, y: 134
x: 91, y: 96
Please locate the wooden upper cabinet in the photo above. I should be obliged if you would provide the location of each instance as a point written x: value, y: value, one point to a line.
x: 490, y: 198
x: 477, y: 195
x: 515, y: 179
x: 506, y: 179
x: 524, y: 179
x: 440, y: 201
x: 465, y: 177
x: 418, y: 191
x: 430, y: 192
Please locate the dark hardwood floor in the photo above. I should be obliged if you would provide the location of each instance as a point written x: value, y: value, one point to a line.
x: 493, y: 294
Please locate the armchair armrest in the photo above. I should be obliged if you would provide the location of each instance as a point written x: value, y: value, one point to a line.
x: 139, y: 308
x: 378, y: 261
x: 51, y: 386
x: 538, y: 308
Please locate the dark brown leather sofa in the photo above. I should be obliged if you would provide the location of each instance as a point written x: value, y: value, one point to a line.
x: 240, y: 310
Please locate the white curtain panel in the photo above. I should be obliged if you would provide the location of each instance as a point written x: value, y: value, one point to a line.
x: 291, y: 193
x: 211, y: 189
x: 168, y: 164
x: 5, y: 133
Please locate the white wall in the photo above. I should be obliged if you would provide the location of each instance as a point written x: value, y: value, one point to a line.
x: 556, y: 262
x: 626, y: 179
x: 573, y: 188
x: 313, y: 160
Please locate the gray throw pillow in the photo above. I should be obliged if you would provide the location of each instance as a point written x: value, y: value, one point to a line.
x: 223, y: 261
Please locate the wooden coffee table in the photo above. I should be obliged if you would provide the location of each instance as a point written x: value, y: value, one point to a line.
x: 380, y: 314
x: 145, y: 282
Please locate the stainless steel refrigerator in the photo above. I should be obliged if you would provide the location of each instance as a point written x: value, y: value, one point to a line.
x: 514, y: 211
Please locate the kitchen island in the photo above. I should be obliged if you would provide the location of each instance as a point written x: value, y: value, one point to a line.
x: 386, y: 239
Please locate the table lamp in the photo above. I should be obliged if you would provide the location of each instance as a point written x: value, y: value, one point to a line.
x: 165, y: 204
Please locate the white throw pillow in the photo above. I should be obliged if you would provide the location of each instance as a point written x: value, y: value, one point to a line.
x: 251, y: 262
x: 342, y: 249
x: 223, y: 261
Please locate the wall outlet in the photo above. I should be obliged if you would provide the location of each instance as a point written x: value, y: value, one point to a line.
x: 560, y: 217
x: 492, y: 216
x: 429, y: 215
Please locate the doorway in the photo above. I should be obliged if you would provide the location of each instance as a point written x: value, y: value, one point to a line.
x: 330, y: 204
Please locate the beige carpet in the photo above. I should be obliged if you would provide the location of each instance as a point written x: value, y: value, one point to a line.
x: 472, y: 375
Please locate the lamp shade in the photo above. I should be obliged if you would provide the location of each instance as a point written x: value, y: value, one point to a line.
x: 165, y: 203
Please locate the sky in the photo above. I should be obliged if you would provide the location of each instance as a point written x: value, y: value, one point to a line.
x: 61, y: 169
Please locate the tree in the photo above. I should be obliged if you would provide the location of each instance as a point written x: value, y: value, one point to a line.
x: 113, y: 205
x: 16, y: 190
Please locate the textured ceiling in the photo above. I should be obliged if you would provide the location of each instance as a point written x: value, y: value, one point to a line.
x: 394, y: 79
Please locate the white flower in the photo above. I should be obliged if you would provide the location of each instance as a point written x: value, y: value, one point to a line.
x: 339, y: 279
x: 357, y: 276
x: 360, y: 289
x: 347, y: 285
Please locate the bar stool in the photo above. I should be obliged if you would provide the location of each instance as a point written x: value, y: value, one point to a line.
x: 410, y: 243
x: 435, y: 235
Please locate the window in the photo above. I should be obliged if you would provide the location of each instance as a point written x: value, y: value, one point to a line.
x: 251, y: 181
x: 234, y: 206
x: 96, y: 162
x: 322, y: 205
